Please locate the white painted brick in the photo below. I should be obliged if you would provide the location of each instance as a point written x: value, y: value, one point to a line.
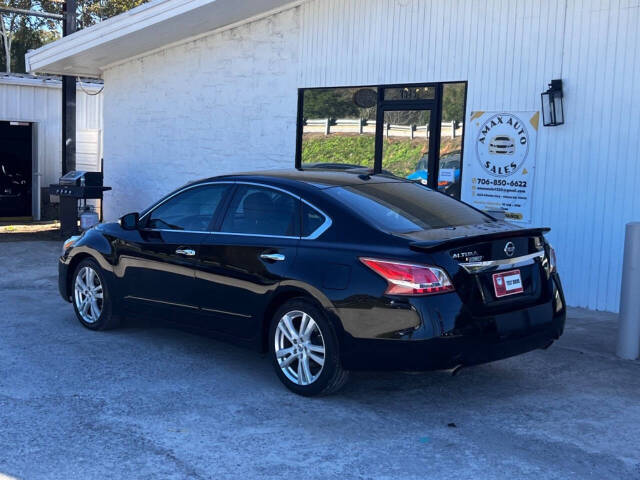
x: 220, y: 104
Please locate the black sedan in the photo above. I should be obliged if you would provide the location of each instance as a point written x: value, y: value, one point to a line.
x: 327, y: 271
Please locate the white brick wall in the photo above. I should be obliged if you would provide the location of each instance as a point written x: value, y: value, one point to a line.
x: 185, y: 112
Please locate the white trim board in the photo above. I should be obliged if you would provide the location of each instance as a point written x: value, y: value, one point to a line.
x: 144, y: 29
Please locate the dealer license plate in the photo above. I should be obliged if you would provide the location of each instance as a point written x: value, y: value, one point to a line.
x: 507, y: 283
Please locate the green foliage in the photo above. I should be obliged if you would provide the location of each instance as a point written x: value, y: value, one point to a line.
x: 330, y: 103
x: 355, y: 150
x: 25, y: 39
x: 453, y: 102
x: 94, y: 11
x: 400, y: 156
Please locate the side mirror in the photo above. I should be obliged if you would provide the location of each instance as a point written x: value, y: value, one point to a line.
x: 130, y: 221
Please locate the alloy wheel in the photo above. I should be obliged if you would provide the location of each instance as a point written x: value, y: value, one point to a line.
x: 88, y: 294
x: 299, y: 347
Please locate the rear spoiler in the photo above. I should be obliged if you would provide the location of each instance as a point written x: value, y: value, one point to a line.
x: 433, y: 245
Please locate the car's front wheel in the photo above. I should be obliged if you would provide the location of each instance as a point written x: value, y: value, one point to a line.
x: 304, y: 349
x: 91, y: 299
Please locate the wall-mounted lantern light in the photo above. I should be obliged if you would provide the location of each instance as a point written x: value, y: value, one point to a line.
x: 552, y: 108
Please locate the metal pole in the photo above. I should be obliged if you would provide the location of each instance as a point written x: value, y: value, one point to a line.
x: 629, y: 322
x: 68, y: 205
x: 69, y: 97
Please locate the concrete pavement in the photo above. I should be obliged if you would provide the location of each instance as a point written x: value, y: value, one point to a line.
x: 151, y: 402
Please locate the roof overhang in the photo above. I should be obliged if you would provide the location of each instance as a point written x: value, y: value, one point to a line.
x: 144, y: 29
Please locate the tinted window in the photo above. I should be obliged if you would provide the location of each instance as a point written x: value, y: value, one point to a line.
x: 189, y: 210
x: 311, y: 220
x: 406, y: 207
x: 262, y: 211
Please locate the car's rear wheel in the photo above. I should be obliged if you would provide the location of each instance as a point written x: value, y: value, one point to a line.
x: 304, y: 349
x: 91, y: 299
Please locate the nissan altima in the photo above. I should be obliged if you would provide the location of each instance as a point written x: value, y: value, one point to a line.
x: 326, y: 272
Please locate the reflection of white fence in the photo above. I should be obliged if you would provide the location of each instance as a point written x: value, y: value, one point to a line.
x: 327, y: 126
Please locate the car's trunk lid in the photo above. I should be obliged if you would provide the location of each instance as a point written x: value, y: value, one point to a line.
x: 478, y: 253
x: 485, y: 233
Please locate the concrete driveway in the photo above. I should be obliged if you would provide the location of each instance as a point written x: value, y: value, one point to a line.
x: 151, y: 402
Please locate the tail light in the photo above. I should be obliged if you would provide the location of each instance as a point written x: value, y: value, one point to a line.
x: 409, y: 279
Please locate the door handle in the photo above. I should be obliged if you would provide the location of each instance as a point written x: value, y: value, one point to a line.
x: 186, y: 251
x: 274, y: 257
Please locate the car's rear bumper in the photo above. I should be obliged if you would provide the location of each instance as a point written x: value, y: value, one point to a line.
x: 476, y: 340
x: 447, y: 351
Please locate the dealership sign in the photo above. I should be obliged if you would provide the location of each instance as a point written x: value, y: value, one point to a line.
x: 498, y: 175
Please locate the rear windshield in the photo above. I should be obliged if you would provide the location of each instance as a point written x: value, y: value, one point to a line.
x: 403, y: 207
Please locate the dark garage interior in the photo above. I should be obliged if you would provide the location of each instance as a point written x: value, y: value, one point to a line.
x: 15, y: 169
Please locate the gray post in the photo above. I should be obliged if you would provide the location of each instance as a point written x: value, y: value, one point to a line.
x: 629, y: 319
x: 327, y: 128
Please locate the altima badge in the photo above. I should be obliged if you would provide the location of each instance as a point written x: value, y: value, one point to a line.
x: 509, y: 249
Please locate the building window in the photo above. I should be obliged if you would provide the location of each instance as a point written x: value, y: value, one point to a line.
x: 335, y: 130
x: 412, y: 131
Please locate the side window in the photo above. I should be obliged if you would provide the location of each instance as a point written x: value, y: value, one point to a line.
x: 190, y: 210
x: 262, y: 211
x: 311, y: 220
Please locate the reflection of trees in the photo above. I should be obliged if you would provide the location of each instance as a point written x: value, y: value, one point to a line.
x: 338, y: 103
x: 453, y: 102
x: 334, y: 103
x: 410, y: 117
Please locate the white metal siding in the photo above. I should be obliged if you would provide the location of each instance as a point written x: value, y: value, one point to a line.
x: 41, y: 102
x: 184, y: 112
x: 588, y: 170
x: 88, y: 145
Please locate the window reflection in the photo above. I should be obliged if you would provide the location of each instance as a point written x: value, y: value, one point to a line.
x: 405, y: 148
x: 336, y: 131
x: 339, y: 130
x: 451, y: 130
x: 410, y: 93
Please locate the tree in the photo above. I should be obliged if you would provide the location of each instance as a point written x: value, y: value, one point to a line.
x: 330, y: 103
x: 20, y: 33
x: 453, y: 102
x: 23, y: 40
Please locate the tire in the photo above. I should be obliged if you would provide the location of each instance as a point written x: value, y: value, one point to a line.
x: 88, y: 283
x: 290, y: 349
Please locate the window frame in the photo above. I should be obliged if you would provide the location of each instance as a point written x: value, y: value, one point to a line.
x: 382, y: 105
x: 218, y: 224
x: 315, y: 234
x: 219, y: 209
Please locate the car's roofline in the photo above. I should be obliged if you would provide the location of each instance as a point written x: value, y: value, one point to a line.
x: 312, y: 178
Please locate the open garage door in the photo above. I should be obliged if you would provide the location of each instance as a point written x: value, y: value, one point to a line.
x: 15, y: 169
